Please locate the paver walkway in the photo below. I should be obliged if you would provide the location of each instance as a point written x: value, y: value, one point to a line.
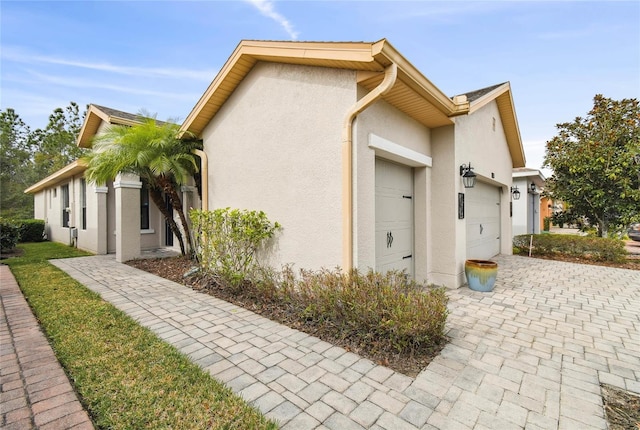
x: 34, y: 390
x: 531, y: 354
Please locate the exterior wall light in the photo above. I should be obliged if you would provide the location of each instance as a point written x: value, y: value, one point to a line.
x: 515, y: 192
x: 468, y: 177
x: 533, y: 187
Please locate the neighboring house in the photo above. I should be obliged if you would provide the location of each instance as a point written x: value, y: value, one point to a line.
x: 530, y: 208
x: 359, y: 157
x: 117, y: 217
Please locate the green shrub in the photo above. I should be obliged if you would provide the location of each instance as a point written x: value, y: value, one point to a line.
x: 594, y: 248
x: 386, y: 312
x: 228, y: 240
x: 31, y: 230
x: 9, y: 234
x: 546, y: 223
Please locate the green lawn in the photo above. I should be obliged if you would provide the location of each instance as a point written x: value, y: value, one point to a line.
x: 127, y: 377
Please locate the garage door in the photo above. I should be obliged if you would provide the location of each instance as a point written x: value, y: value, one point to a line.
x: 394, y: 217
x: 482, y: 211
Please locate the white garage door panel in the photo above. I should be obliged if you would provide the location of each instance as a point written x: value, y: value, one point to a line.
x: 394, y: 217
x: 482, y: 211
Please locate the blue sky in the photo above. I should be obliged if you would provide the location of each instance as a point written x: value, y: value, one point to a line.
x: 160, y: 56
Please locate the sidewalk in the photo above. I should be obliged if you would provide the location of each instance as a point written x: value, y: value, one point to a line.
x: 531, y: 354
x: 35, y: 393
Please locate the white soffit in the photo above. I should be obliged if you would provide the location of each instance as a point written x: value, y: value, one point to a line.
x: 398, y: 153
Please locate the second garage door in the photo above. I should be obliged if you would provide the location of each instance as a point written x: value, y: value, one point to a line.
x: 483, y: 221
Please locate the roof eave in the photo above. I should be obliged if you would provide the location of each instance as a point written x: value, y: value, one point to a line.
x: 455, y: 107
x: 68, y: 171
x: 360, y: 56
x: 95, y: 116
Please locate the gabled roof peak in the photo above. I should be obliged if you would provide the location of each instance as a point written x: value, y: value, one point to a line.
x: 476, y: 94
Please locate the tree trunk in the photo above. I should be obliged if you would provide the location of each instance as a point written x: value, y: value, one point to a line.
x: 170, y: 189
x: 156, y: 196
x: 603, y: 228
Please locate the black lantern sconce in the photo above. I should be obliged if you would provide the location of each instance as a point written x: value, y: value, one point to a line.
x: 533, y: 188
x: 515, y: 192
x: 468, y: 177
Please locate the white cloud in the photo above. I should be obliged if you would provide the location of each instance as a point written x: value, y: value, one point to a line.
x: 19, y: 56
x: 267, y: 8
x: 75, y: 82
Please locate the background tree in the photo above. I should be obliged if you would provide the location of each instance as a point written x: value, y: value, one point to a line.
x: 153, y: 151
x: 28, y: 156
x: 595, y: 164
x: 55, y: 146
x: 16, y: 166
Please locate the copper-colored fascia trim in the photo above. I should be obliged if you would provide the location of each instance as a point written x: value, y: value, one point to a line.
x: 381, y: 53
x: 255, y: 50
x: 416, y: 80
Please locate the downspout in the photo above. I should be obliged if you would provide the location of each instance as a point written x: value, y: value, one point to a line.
x: 204, y: 177
x: 390, y: 75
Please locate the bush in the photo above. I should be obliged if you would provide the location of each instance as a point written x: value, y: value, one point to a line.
x: 9, y: 234
x: 594, y: 248
x: 385, y: 312
x: 31, y: 230
x: 227, y: 241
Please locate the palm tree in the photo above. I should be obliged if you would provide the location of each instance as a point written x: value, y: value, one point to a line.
x: 153, y: 151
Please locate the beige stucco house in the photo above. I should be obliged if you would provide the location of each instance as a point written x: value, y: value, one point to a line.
x: 116, y: 217
x: 360, y: 157
x: 347, y: 145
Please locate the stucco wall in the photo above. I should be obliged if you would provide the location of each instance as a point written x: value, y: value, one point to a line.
x: 480, y: 140
x: 521, y: 208
x: 445, y: 232
x: 39, y: 205
x: 275, y: 146
x: 383, y: 120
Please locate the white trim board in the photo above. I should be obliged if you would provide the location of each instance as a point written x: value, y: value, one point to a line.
x: 398, y: 153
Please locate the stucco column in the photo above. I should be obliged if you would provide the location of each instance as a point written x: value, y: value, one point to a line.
x: 101, y: 219
x: 127, y: 189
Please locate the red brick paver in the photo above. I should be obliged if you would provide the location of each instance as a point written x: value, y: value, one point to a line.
x: 35, y: 393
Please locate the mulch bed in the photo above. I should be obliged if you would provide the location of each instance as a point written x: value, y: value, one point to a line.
x: 622, y: 408
x: 8, y: 253
x: 174, y: 269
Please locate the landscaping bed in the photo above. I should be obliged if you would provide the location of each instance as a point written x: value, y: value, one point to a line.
x: 408, y: 363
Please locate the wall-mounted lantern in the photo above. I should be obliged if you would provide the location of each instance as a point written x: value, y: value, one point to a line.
x: 515, y: 192
x: 468, y: 177
x: 533, y: 187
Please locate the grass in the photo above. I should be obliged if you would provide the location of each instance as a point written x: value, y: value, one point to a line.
x: 127, y: 377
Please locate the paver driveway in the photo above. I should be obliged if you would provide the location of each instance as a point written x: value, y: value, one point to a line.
x: 531, y: 354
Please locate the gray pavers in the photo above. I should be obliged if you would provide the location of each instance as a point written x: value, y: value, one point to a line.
x: 530, y: 354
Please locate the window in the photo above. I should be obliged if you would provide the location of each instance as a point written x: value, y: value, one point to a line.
x: 65, y: 205
x: 144, y: 207
x: 83, y: 202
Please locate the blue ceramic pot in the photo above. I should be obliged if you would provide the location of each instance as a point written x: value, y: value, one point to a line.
x: 481, y: 274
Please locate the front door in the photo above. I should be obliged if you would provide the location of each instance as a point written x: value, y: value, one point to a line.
x: 394, y: 217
